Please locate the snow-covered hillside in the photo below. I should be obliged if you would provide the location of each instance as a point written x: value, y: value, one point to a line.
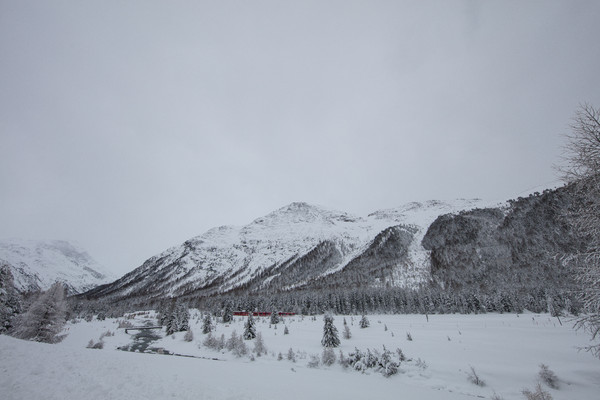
x: 38, y: 264
x: 281, y: 246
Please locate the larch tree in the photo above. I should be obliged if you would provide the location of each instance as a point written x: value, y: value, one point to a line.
x: 45, y: 318
x: 582, y: 171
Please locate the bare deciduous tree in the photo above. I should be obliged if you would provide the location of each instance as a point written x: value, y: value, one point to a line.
x: 582, y: 171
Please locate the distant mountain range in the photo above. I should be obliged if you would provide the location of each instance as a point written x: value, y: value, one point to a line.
x: 299, y: 246
x: 36, y: 265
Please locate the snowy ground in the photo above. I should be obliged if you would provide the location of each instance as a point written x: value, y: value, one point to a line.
x: 505, y: 350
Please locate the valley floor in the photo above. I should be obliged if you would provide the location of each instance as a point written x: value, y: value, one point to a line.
x: 505, y: 350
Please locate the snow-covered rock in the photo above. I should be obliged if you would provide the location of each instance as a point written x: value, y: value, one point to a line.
x: 36, y: 265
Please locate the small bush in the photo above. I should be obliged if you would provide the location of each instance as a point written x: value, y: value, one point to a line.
x: 291, y: 356
x: 328, y: 356
x: 347, y: 334
x: 474, y: 378
x: 409, y: 337
x: 189, y: 336
x: 539, y: 394
x: 364, y: 322
x: 548, y: 376
x: 314, y: 361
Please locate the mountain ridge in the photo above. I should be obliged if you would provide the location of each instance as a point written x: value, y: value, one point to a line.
x: 37, y: 264
x: 282, y: 243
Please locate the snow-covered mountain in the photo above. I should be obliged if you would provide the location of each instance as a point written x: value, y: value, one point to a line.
x: 296, y: 246
x: 38, y: 264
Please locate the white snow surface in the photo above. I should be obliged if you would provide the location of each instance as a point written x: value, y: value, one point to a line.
x: 292, y: 231
x: 37, y: 264
x: 505, y: 350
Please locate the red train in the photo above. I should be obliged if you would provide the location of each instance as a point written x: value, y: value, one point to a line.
x: 262, y: 314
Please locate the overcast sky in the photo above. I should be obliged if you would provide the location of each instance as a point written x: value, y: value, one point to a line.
x: 130, y: 127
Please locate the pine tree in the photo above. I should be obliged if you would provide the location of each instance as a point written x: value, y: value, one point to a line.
x: 275, y: 318
x: 330, y: 333
x: 227, y: 313
x: 286, y: 331
x: 207, y: 325
x: 364, y: 322
x: 45, y: 318
x: 249, y: 328
x: 183, y: 318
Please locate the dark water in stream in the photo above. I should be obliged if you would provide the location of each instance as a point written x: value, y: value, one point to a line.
x: 142, y: 341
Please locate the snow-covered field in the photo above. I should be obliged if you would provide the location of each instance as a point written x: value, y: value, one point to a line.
x: 505, y: 351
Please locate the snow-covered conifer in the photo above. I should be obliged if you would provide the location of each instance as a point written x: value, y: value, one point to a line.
x: 183, y: 318
x: 291, y: 356
x: 330, y: 333
x: 387, y: 366
x: 207, y: 325
x: 275, y: 317
x: 227, y: 313
x: 286, y: 331
x: 249, y: 328
x: 364, y: 322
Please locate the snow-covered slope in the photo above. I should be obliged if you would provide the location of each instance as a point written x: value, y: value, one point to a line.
x: 293, y: 246
x: 37, y: 265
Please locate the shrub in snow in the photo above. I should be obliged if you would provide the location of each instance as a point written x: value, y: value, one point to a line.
x: 364, y: 322
x: 211, y: 342
x: 343, y: 360
x: 409, y: 337
x: 189, y: 336
x: 95, y: 345
x: 328, y: 356
x: 474, y: 378
x: 421, y: 364
x: 291, y: 356
x: 548, y: 376
x: 279, y: 356
x: 123, y: 323
x: 207, y: 325
x: 347, y: 334
x: 401, y: 356
x: 387, y: 366
x: 539, y: 394
x: 330, y: 334
x: 45, y: 318
x: 314, y: 361
x: 249, y: 328
x: 286, y: 331
x: 259, y: 345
